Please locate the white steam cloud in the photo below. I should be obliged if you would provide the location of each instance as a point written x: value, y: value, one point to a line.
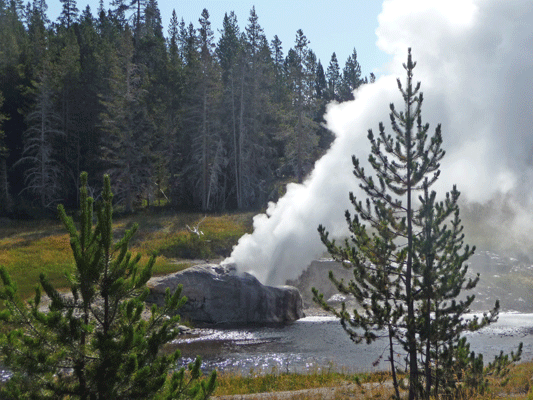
x: 475, y: 63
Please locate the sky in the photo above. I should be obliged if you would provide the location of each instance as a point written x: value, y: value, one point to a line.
x: 334, y: 26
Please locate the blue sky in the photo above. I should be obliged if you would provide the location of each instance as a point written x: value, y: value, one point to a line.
x: 331, y: 26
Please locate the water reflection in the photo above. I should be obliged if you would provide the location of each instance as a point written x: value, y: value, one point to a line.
x: 319, y: 343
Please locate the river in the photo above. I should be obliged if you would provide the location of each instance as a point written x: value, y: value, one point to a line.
x: 318, y: 343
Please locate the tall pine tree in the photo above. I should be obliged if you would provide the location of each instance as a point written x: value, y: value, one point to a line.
x: 127, y: 148
x: 303, y: 140
x: 408, y: 263
x: 333, y: 76
x: 43, y: 172
x: 209, y: 151
x: 230, y: 56
x: 69, y: 12
x: 255, y: 112
x: 351, y: 77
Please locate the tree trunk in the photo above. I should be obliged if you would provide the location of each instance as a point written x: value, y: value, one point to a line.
x: 411, y: 328
x: 236, y: 139
x: 393, y: 364
x: 5, y: 197
x: 42, y: 158
x: 241, y: 140
x: 205, y: 154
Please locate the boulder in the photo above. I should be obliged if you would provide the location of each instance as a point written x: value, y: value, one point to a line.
x: 217, y: 294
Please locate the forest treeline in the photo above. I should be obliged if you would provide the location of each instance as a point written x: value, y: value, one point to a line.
x: 198, y: 121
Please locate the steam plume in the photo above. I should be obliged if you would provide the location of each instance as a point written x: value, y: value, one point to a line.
x: 475, y: 62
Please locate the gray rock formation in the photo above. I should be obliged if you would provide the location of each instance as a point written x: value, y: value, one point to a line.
x: 317, y: 276
x: 218, y: 294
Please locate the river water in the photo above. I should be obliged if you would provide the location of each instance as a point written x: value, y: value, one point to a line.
x: 319, y: 343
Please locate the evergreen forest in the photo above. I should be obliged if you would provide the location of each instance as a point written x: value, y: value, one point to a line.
x: 175, y: 114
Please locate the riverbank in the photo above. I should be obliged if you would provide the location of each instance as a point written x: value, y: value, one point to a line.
x: 333, y: 385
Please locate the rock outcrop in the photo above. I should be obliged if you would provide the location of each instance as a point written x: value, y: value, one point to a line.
x: 217, y: 294
x: 317, y: 276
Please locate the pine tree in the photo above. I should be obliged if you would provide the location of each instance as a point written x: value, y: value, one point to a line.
x: 69, y: 13
x: 14, y: 86
x: 333, y: 77
x: 153, y: 23
x: 152, y: 57
x: 43, y: 173
x: 255, y: 112
x: 67, y: 75
x: 94, y: 343
x: 39, y: 8
x: 138, y: 17
x: 322, y: 98
x: 127, y: 148
x: 208, y: 141
x: 280, y: 89
x: 183, y: 178
x: 183, y: 39
x: 101, y: 8
x: 408, y: 263
x: 440, y: 274
x: 38, y: 33
x: 118, y: 12
x: 302, y: 141
x: 230, y: 54
x: 173, y: 32
x: 351, y: 77
x: 202, y: 116
x: 150, y: 47
x: 85, y: 105
x: 175, y: 95
x: 320, y: 82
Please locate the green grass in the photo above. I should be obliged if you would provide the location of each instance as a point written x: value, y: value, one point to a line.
x: 26, y: 258
x: 218, y: 236
x: 28, y: 249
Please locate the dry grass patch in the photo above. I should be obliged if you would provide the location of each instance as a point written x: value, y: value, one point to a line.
x: 518, y: 384
x: 229, y: 384
x: 315, y: 385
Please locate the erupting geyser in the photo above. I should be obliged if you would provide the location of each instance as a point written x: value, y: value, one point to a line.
x: 474, y: 60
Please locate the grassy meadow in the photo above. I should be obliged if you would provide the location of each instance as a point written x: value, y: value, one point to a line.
x: 29, y: 248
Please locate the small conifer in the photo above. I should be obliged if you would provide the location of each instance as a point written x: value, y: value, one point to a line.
x: 95, y: 343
